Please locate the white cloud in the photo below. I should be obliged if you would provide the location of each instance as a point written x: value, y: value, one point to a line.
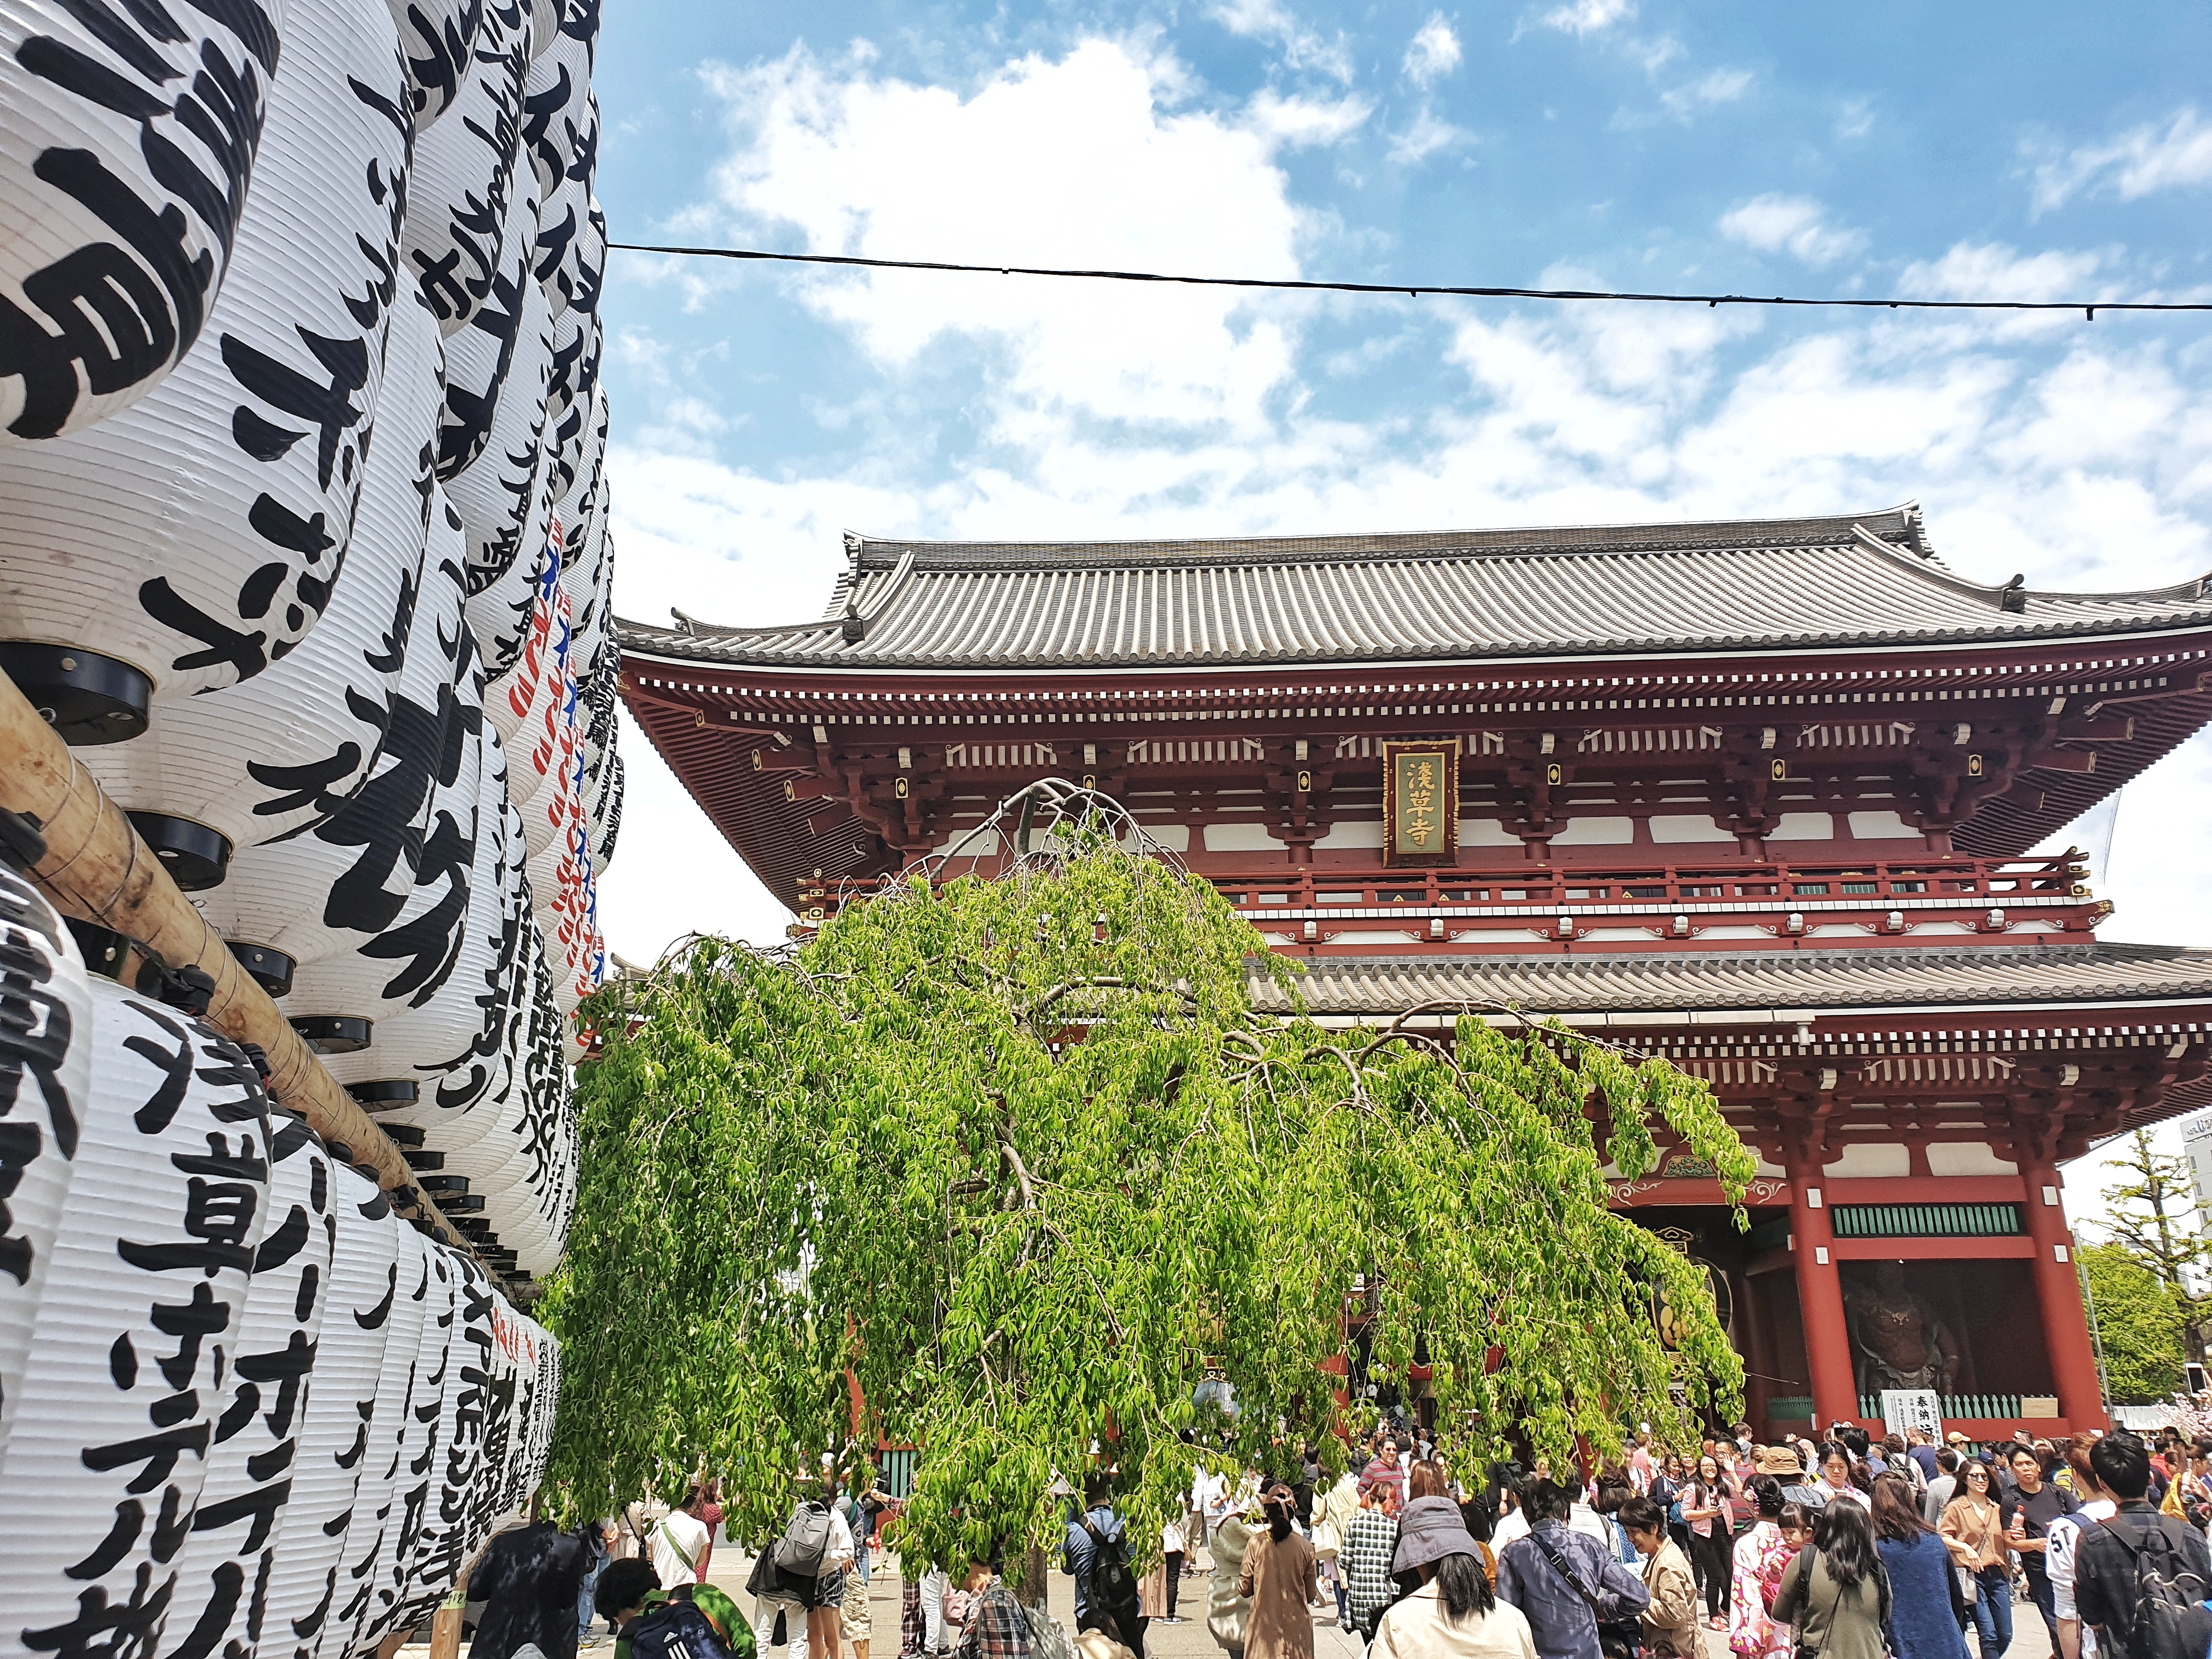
x: 1297, y: 122
x: 1425, y: 135
x: 1991, y: 270
x: 1720, y: 86
x: 2136, y: 163
x: 1792, y: 224
x: 1434, y: 53
x: 1066, y: 162
x: 1303, y: 48
x: 1856, y: 118
x: 1587, y: 16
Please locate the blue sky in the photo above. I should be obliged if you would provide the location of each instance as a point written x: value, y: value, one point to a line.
x: 2026, y: 151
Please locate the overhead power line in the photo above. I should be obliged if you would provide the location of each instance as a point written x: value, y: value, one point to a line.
x: 2089, y: 308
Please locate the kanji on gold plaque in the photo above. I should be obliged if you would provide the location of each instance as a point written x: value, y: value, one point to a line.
x: 1420, y: 803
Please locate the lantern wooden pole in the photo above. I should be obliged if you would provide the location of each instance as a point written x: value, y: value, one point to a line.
x: 97, y: 869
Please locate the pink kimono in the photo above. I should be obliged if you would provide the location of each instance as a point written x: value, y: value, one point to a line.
x: 1761, y: 1556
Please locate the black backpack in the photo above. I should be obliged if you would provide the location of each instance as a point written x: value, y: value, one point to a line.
x: 1113, y: 1599
x: 675, y: 1630
x: 2170, y: 1620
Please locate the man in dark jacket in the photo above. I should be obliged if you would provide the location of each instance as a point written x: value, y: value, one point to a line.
x: 2110, y: 1560
x: 1565, y: 1581
x: 528, y: 1580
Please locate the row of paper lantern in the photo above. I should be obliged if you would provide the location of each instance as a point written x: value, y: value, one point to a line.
x: 304, y: 546
x: 250, y: 1409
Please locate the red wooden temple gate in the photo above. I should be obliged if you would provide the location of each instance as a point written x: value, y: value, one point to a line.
x: 1758, y: 796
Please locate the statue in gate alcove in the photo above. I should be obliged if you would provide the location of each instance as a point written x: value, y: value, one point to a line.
x: 1896, y: 1339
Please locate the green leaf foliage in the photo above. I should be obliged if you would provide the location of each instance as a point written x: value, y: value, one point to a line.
x: 1014, y: 1162
x: 2141, y: 1325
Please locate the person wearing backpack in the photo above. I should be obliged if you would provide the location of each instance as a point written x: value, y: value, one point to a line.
x: 2140, y: 1577
x: 652, y: 1623
x: 1106, y: 1596
x: 801, y: 1577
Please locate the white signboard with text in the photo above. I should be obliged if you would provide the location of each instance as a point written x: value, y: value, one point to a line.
x: 1904, y: 1410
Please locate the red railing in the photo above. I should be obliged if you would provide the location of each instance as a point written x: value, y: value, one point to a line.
x: 1508, y: 904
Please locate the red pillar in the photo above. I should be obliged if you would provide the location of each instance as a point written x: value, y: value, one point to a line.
x: 1820, y: 1298
x: 2058, y: 1294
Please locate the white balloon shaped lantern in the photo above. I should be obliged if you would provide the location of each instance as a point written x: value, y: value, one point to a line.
x: 46, y: 1061
x: 289, y: 748
x: 226, y: 1565
x: 364, y: 885
x: 463, y: 184
x: 193, y: 540
x: 127, y: 137
x: 495, y: 491
x: 437, y: 42
x: 334, y: 1430
x: 140, y: 1325
x: 480, y: 353
x: 373, y: 1576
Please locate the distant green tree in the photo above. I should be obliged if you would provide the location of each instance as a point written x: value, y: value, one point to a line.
x: 2153, y: 1215
x: 2141, y: 1325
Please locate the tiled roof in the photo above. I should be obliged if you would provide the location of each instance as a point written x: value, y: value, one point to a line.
x: 1637, y: 989
x: 1441, y: 596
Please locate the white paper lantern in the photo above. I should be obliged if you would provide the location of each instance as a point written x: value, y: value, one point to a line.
x: 544, y: 27
x: 480, y: 353
x: 368, y: 883
x: 433, y: 1044
x: 335, y: 1429
x: 414, y: 1493
x: 127, y: 137
x: 610, y: 818
x: 463, y: 186
x: 495, y: 492
x: 226, y: 1567
x: 553, y: 98
x: 447, y: 1538
x: 502, y: 612
x: 516, y: 699
x: 140, y: 1325
x: 577, y: 341
x: 289, y: 748
x: 404, y: 965
x: 190, y: 542
x: 437, y: 42
x: 590, y: 261
x: 45, y: 1084
x: 393, y: 1486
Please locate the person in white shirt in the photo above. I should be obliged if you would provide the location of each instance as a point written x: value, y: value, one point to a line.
x: 678, y: 1541
x: 1209, y: 1492
x: 2075, y: 1641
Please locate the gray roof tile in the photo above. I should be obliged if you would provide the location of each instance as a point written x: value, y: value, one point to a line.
x: 1871, y: 579
x: 1769, y: 982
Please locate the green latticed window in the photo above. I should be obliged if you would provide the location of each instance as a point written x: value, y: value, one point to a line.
x: 1928, y: 1221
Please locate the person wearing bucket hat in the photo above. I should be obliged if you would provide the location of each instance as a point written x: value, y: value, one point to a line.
x: 1784, y: 1463
x: 1452, y: 1612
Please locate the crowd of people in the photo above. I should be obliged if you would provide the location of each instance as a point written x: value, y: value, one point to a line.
x: 1850, y: 1547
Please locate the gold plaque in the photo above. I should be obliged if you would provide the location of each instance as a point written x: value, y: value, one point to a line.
x: 1420, y: 803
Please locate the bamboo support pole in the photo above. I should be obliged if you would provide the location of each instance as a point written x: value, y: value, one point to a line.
x: 97, y: 870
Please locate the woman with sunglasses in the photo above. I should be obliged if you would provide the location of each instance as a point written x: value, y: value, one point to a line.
x: 1973, y: 1527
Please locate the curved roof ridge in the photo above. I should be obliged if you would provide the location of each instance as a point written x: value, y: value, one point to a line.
x: 1751, y: 585
x: 1901, y: 524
